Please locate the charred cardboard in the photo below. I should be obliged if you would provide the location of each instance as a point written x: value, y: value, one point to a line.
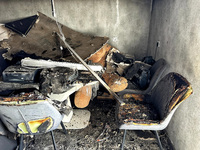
x: 43, y: 41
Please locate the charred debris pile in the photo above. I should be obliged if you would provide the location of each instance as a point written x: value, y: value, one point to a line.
x: 36, y: 64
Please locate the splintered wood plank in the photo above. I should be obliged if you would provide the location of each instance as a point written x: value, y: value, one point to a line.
x: 43, y: 41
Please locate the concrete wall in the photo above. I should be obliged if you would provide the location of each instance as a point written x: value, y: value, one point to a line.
x: 125, y: 22
x: 176, y: 24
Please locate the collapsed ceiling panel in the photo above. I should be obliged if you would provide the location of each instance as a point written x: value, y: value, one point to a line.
x: 43, y: 41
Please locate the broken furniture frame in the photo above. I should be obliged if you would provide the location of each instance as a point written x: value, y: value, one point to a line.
x: 155, y: 111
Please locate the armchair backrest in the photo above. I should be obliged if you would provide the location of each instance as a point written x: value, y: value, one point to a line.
x: 156, y: 72
x: 169, y: 93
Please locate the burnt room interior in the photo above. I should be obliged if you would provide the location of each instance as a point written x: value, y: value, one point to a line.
x: 99, y: 74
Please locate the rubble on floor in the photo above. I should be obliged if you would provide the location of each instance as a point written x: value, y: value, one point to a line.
x: 101, y: 133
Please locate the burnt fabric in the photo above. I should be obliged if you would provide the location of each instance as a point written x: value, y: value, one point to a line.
x: 142, y: 78
x: 169, y: 92
x: 118, y: 57
x: 138, y: 111
x: 148, y: 60
x: 139, y: 75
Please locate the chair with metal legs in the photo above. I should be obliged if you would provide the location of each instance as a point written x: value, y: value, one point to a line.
x: 29, y: 114
x: 153, y: 111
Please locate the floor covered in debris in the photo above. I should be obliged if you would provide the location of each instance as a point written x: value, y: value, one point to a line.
x: 102, y: 133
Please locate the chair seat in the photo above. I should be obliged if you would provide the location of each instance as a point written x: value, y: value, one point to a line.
x: 138, y: 112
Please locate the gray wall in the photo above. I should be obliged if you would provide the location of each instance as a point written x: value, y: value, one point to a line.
x: 176, y: 24
x: 125, y: 22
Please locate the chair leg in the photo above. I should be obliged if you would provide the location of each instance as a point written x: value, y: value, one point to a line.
x: 33, y: 139
x: 21, y: 144
x: 53, y: 139
x: 158, y: 139
x: 124, y: 139
x: 63, y: 127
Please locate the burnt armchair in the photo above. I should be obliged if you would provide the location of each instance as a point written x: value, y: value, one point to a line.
x: 153, y: 111
x: 29, y: 114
